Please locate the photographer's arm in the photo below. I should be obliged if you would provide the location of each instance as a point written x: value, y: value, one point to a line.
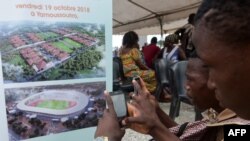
x: 145, y: 114
x: 165, y: 119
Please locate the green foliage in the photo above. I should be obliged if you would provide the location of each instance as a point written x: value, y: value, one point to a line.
x: 5, y: 45
x: 80, y: 64
x: 85, y: 60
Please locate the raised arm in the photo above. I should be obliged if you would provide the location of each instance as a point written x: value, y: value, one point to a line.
x: 165, y: 119
x: 108, y: 125
x: 145, y: 114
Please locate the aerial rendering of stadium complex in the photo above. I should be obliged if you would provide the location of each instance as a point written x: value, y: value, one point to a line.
x: 37, y: 51
x: 44, y: 110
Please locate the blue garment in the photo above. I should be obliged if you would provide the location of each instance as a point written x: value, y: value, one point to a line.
x: 173, y: 56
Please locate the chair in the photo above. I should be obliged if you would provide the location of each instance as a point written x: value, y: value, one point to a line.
x: 177, y: 86
x: 120, y: 82
x: 116, y: 76
x: 177, y: 80
x: 161, y: 66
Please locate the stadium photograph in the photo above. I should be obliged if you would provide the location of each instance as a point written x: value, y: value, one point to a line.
x: 44, y: 110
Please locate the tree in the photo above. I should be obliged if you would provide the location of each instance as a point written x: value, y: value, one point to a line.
x: 12, y: 72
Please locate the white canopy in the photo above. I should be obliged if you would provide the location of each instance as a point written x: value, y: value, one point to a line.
x: 146, y: 16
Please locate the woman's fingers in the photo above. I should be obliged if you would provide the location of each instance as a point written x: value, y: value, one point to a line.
x: 110, y: 104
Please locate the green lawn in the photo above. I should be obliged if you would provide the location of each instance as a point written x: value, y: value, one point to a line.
x: 73, y: 43
x: 42, y: 35
x: 47, y: 35
x: 54, y: 104
x: 52, y: 34
x: 16, y: 60
x: 62, y: 46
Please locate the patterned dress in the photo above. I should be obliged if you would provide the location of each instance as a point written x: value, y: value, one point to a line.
x: 131, y: 69
x: 211, y: 127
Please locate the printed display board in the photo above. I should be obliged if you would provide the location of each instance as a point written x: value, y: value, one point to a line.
x: 55, y: 58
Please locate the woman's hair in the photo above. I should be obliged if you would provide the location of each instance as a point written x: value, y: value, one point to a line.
x: 172, y: 38
x: 130, y: 39
x: 227, y: 20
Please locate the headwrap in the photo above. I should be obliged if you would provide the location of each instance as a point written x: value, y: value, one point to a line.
x: 172, y: 38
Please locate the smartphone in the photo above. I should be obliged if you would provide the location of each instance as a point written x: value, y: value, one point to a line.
x: 136, y: 89
x: 119, y: 102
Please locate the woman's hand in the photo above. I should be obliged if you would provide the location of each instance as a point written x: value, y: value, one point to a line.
x: 143, y: 109
x: 145, y: 115
x: 108, y: 125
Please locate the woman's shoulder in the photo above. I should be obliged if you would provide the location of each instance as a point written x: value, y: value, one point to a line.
x: 123, y: 50
x: 126, y: 51
x: 135, y: 49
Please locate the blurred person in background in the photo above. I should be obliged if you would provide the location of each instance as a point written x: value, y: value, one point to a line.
x: 132, y: 63
x: 171, y: 50
x: 185, y: 35
x: 151, y: 52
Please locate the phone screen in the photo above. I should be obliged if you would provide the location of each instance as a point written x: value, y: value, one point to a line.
x: 119, y: 103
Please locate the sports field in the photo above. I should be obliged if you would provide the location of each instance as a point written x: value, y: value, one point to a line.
x: 72, y: 43
x: 47, y: 35
x: 54, y: 104
x: 62, y: 46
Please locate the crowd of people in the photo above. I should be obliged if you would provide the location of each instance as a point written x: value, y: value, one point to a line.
x: 136, y: 62
x: 217, y: 79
